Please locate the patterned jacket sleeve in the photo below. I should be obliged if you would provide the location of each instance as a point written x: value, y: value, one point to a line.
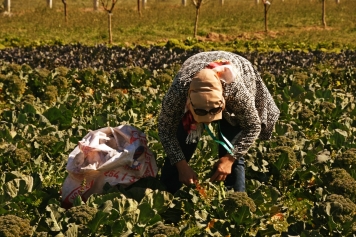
x: 241, y: 110
x: 172, y: 111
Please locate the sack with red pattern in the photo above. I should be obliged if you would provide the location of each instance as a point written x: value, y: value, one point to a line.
x: 116, y: 155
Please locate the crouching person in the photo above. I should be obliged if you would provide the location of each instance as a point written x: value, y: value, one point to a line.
x: 214, y: 87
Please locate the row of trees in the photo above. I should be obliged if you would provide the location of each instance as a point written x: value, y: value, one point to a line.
x: 141, y: 4
x: 267, y: 4
x: 108, y: 6
x: 96, y: 4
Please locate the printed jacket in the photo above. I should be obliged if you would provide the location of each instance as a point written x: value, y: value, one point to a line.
x: 248, y: 104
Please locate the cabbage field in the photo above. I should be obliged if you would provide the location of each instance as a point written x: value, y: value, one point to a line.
x: 300, y: 183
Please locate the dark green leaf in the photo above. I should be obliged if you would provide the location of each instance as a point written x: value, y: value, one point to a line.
x: 100, y: 216
x: 29, y: 109
x: 146, y: 213
x: 296, y: 90
x: 241, y: 215
x: 282, y: 161
x: 118, y: 227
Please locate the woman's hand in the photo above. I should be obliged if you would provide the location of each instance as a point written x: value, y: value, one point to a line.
x: 223, y: 168
x: 186, y: 174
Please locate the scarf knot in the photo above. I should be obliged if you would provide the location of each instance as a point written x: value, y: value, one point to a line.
x: 193, y: 128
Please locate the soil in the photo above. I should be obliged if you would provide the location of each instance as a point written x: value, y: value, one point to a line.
x: 216, y: 37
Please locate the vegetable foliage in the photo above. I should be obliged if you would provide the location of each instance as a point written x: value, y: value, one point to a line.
x: 301, y: 182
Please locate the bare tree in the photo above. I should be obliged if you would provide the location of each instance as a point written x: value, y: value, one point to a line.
x: 95, y: 5
x: 266, y: 5
x: 323, y: 14
x: 7, y: 6
x: 65, y: 9
x: 139, y: 7
x: 197, y: 4
x: 109, y: 10
x: 49, y: 3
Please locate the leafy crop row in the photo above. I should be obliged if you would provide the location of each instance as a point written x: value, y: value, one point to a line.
x: 157, y: 57
x: 302, y: 182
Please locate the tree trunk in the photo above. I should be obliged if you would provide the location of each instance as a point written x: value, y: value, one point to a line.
x: 337, y: 1
x: 221, y: 2
x: 49, y: 3
x: 7, y: 5
x: 266, y: 19
x: 184, y: 3
x: 257, y: 2
x: 144, y: 4
x: 196, y: 22
x: 109, y: 28
x: 139, y: 7
x: 95, y: 5
x: 65, y: 10
x: 323, y: 14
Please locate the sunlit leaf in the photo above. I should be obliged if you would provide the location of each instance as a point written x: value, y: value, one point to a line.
x: 19, y: 186
x: 55, y: 215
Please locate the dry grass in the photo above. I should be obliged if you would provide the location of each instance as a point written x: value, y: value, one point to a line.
x: 293, y: 21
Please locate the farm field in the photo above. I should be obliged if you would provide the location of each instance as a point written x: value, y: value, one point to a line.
x: 60, y: 80
x: 302, y: 182
x: 291, y: 24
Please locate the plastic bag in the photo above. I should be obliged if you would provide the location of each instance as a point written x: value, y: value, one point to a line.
x: 116, y: 155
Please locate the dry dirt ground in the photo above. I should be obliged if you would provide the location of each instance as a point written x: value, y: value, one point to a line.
x: 216, y: 37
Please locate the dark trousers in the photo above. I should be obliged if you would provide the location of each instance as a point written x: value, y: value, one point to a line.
x: 235, y: 180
